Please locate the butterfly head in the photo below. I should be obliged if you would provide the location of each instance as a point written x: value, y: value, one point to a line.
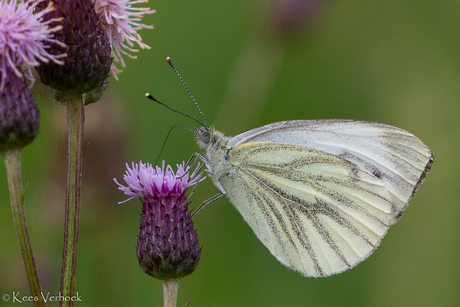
x: 204, y: 136
x: 208, y: 137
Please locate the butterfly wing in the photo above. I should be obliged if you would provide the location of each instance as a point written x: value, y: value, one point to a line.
x: 398, y: 158
x: 317, y: 213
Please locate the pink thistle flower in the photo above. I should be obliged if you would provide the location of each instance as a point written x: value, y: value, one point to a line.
x: 122, y: 21
x: 23, y: 35
x: 167, y: 246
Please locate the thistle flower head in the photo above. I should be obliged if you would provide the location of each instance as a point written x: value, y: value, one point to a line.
x: 24, y: 37
x: 167, y: 246
x: 88, y: 50
x: 122, y: 21
x: 19, y: 115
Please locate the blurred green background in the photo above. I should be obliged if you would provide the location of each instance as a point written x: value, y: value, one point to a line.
x: 250, y: 63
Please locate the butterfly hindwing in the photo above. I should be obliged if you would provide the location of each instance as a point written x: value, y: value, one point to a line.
x: 317, y: 213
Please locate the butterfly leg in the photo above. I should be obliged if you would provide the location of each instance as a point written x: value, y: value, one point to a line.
x: 206, y: 203
x: 198, y: 181
x: 194, y: 159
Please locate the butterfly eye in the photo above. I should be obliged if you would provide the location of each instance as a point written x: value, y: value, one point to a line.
x: 206, y: 136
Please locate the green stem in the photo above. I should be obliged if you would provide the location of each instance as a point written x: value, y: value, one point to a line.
x: 170, y: 288
x: 13, y: 169
x: 75, y: 127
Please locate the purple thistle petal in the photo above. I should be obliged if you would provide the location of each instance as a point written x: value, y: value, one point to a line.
x: 144, y: 181
x: 23, y: 38
x: 122, y: 21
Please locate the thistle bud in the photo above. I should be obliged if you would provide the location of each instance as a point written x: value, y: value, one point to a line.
x: 290, y: 17
x: 19, y: 115
x: 88, y: 50
x: 167, y: 246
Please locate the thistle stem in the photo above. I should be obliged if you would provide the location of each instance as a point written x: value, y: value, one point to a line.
x: 75, y: 127
x: 13, y: 169
x: 170, y: 288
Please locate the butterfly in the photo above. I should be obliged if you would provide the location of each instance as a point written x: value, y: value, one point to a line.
x: 319, y: 194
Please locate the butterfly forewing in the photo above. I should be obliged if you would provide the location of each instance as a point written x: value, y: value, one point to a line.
x: 316, y: 212
x: 396, y: 157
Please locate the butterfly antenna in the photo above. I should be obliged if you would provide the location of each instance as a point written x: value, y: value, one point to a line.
x: 174, y: 110
x: 166, y: 139
x: 188, y: 91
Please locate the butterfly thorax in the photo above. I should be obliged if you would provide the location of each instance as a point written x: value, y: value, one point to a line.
x: 217, y: 150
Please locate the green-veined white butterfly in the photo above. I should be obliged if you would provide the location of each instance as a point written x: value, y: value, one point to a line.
x: 319, y: 194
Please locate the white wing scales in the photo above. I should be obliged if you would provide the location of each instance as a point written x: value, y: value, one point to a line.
x: 317, y: 213
x: 398, y: 158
